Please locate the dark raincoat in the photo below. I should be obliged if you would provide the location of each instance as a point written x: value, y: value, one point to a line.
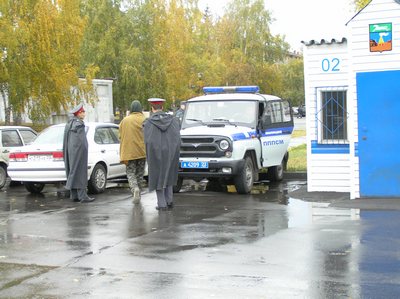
x: 75, y: 149
x: 163, y: 141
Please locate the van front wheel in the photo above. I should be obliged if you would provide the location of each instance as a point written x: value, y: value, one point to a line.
x: 245, y: 179
x: 178, y: 185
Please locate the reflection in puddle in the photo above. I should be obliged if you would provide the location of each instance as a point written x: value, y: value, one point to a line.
x: 302, y: 213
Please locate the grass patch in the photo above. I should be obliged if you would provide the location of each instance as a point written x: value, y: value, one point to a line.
x: 298, y: 133
x: 297, y: 158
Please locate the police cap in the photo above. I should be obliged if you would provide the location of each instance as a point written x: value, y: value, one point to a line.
x: 156, y: 101
x: 77, y: 109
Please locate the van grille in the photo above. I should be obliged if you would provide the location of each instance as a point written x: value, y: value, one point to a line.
x: 201, y: 146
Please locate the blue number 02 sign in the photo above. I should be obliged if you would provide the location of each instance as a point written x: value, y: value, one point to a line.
x: 330, y: 65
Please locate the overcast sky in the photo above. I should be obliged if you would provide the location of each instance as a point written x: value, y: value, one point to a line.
x: 301, y: 20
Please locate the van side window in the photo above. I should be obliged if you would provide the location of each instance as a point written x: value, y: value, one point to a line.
x: 261, y: 107
x: 267, y: 117
x: 277, y: 115
x: 286, y: 111
x: 280, y: 112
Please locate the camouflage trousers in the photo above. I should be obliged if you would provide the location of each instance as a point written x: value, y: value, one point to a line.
x: 135, y: 172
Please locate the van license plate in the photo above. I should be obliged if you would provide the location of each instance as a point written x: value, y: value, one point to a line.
x: 198, y: 164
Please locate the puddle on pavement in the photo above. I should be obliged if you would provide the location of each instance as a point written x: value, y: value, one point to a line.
x: 302, y: 213
x: 260, y: 187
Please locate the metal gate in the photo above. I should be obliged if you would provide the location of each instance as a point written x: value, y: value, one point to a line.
x: 378, y: 133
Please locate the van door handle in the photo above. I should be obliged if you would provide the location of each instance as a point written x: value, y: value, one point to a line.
x: 103, y: 151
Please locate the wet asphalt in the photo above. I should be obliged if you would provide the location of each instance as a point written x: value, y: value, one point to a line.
x: 211, y: 245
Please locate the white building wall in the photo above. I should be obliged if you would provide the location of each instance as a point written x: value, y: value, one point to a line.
x: 362, y: 60
x: 103, y: 110
x: 326, y: 67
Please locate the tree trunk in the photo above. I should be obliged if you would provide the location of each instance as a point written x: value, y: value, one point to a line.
x: 7, y: 109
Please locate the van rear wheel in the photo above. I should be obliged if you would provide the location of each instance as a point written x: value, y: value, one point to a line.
x: 275, y: 173
x: 245, y: 179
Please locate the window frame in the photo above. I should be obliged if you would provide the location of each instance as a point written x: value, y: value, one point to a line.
x: 13, y: 136
x: 319, y: 115
x: 110, y: 136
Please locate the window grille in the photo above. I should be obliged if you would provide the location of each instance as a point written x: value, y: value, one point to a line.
x: 332, y: 116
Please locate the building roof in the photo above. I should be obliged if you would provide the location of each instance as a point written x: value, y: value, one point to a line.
x: 324, y: 41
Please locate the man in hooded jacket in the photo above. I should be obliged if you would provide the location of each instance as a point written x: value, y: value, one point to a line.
x: 75, y: 150
x: 132, y: 149
x: 162, y: 140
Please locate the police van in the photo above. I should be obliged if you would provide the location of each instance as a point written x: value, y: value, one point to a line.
x: 233, y: 133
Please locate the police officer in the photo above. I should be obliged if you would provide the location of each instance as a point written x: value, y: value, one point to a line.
x: 75, y: 150
x: 162, y: 140
x: 179, y: 113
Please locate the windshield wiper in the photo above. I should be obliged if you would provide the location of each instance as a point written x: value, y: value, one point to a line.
x: 225, y: 120
x: 198, y: 120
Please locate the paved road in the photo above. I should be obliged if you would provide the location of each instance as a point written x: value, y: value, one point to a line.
x: 211, y: 245
x: 299, y: 124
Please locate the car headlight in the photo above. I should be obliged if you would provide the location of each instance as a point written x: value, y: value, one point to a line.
x: 224, y: 144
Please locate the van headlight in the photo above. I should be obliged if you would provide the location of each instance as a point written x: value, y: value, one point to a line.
x: 228, y: 154
x: 224, y: 144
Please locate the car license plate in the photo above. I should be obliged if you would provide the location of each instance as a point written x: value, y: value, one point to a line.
x: 197, y: 164
x: 40, y: 158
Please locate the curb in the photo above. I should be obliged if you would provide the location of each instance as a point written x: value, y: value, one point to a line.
x: 295, y: 175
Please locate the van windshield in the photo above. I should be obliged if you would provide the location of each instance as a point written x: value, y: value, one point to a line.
x: 240, y: 113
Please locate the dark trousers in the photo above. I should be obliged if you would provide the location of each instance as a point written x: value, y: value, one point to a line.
x: 78, y: 194
x: 164, y: 197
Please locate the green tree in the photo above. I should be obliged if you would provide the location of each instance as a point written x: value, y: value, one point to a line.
x: 247, y: 46
x: 148, y: 20
x: 170, y: 49
x: 293, y: 75
x: 40, y: 41
x: 123, y: 44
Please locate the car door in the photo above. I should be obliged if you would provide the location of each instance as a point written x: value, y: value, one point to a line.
x: 108, y: 150
x: 121, y: 168
x: 9, y: 139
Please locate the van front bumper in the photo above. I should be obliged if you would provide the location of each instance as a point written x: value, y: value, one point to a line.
x: 214, y: 170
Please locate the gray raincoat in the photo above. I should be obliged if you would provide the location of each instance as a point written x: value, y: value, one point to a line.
x: 75, y: 149
x: 163, y: 141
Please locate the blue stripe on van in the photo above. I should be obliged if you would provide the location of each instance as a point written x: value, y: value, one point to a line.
x: 243, y: 136
x: 269, y: 132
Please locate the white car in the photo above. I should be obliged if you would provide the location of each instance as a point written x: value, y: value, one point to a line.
x: 12, y: 138
x: 42, y: 162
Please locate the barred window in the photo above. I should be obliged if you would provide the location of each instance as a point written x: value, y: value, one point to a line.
x: 332, y: 116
